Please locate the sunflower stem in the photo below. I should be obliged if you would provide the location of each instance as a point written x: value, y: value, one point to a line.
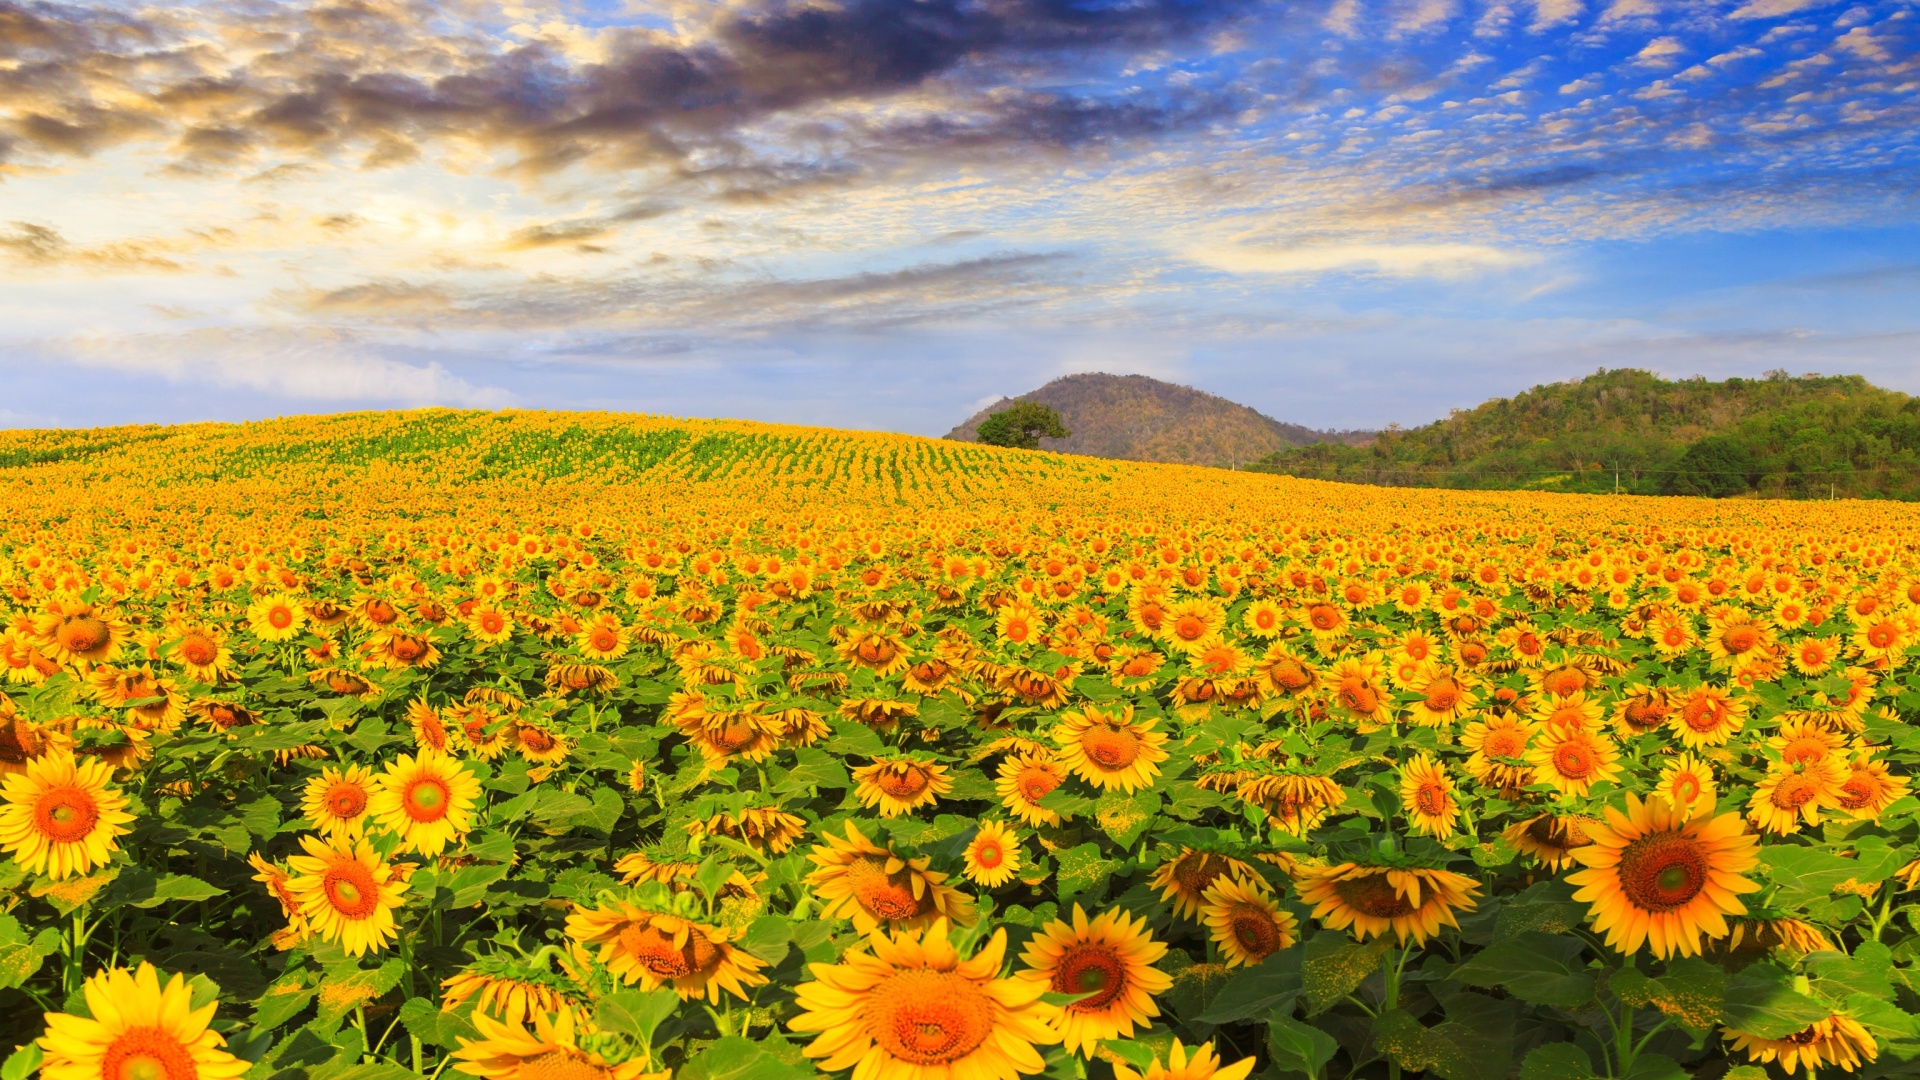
x: 1624, y: 1050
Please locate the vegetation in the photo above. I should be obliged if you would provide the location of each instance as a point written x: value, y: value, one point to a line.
x: 1136, y: 418
x: 1632, y: 431
x: 532, y: 746
x: 1021, y: 426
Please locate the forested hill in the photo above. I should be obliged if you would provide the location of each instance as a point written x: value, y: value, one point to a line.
x: 1778, y: 436
x: 1144, y: 419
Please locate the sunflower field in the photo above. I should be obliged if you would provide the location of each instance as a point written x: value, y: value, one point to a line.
x: 532, y: 746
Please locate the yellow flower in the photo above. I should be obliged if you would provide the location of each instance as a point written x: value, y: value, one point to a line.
x: 992, y: 856
x: 656, y: 950
x: 1109, y: 958
x: 1789, y: 796
x: 346, y: 894
x: 900, y: 785
x: 1413, y: 903
x: 427, y: 800
x: 1110, y: 750
x: 276, y: 618
x: 1185, y: 878
x: 140, y: 1030
x: 871, y: 885
x: 1549, y: 838
x: 909, y: 1008
x: 1203, y: 1064
x: 1573, y: 759
x: 1025, y: 779
x: 1245, y: 922
x: 1706, y: 716
x: 1664, y: 875
x: 1836, y: 1041
x: 490, y: 625
x: 1191, y: 625
x: 1426, y: 796
x: 1869, y: 788
x: 551, y: 1051
x: 61, y: 817
x: 335, y: 802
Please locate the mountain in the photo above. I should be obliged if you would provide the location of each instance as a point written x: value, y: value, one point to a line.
x: 1143, y: 419
x: 1781, y: 436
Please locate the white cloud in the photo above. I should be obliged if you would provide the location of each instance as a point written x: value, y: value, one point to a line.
x: 1773, y: 9
x: 1389, y: 260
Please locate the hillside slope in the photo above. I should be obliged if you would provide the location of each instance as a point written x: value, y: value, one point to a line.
x: 1781, y: 436
x: 1137, y: 418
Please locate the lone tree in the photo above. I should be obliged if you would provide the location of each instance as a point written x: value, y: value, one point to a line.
x: 1022, y: 425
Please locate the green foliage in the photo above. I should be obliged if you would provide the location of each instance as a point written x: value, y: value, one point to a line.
x: 1022, y: 425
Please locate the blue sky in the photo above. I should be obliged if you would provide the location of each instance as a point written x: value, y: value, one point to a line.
x: 876, y: 213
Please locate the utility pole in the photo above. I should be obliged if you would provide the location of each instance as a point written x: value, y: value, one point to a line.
x: 1616, y: 481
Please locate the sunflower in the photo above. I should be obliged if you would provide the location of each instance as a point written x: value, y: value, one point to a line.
x: 1185, y: 878
x: 500, y: 985
x: 1286, y: 673
x: 427, y: 800
x: 1664, y: 875
x: 1883, y: 641
x: 551, y: 1051
x: 1245, y: 922
x: 335, y: 802
x: 992, y: 857
x: 61, y: 817
x: 1263, y: 618
x: 1814, y: 655
x: 1640, y: 709
x: 1019, y: 624
x: 1707, y: 716
x: 1836, y: 1041
x: 138, y: 1030
x: 898, y: 786
x: 1426, y: 796
x: 1498, y: 744
x: 1789, y: 796
x: 1191, y: 625
x: 203, y: 653
x: 912, y: 1009
x: 1570, y: 712
x: 280, y: 884
x: 538, y: 745
x: 1293, y: 801
x: 1549, y: 838
x: 346, y: 894
x: 1686, y: 780
x: 1357, y: 689
x: 479, y: 730
x: 1762, y: 935
x: 762, y: 828
x: 1110, y: 750
x: 1111, y: 959
x: 1025, y: 779
x: 1203, y: 1064
x: 489, y: 625
x: 883, y: 654
x: 1573, y: 759
x: 1327, y: 623
x: 1869, y: 788
x: 854, y: 878
x: 655, y: 950
x: 75, y: 633
x: 1445, y: 696
x: 1371, y: 900
x: 276, y: 618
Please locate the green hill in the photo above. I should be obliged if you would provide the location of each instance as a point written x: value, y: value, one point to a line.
x: 1779, y: 436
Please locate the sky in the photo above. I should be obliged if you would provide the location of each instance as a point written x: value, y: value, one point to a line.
x: 886, y: 213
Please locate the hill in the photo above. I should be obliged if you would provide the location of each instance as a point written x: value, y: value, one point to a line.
x: 1781, y: 436
x: 1137, y: 418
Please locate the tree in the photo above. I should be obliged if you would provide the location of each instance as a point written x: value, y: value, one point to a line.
x: 1717, y: 466
x: 1022, y: 426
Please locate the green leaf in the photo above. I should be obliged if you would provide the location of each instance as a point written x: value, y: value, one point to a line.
x: 1082, y: 871
x: 1547, y: 907
x: 1881, y: 1017
x: 1334, y: 967
x: 262, y: 817
x: 767, y: 937
x: 469, y: 883
x: 1691, y: 991
x: 816, y: 768
x: 638, y: 1013
x: 1475, y: 1042
x: 21, y: 957
x: 1656, y: 1067
x: 1298, y: 1047
x: 605, y: 811
x: 1124, y: 817
x: 282, y: 1001
x: 1761, y: 1001
x: 1540, y: 969
x: 735, y: 1058
x: 21, y: 1063
x: 1838, y: 976
x: 1557, y: 1061
x: 434, y: 1026
x: 176, y: 887
x: 1745, y: 1072
x: 851, y: 738
x: 378, y: 1070
x: 347, y: 987
x: 1805, y: 874
x: 1258, y: 990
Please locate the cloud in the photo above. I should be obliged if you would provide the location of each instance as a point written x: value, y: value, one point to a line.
x: 1390, y: 260
x: 1774, y: 9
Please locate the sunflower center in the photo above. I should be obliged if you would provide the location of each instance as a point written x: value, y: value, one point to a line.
x: 1702, y: 714
x: 350, y: 888
x: 1442, y: 696
x: 198, y: 650
x: 1859, y: 791
x: 1565, y: 683
x: 1431, y: 799
x: 346, y: 800
x: 1091, y: 968
x: 280, y: 617
x: 1645, y: 714
x: 1880, y: 636
x: 1740, y: 639
x: 1662, y: 871
x: 1358, y: 697
x: 907, y: 783
x: 1685, y: 788
x: 491, y: 622
x: 1573, y: 760
x: 886, y: 896
x: 988, y: 854
x: 1289, y: 675
x: 427, y: 799
x: 66, y: 815
x: 1190, y: 628
x: 1254, y: 929
x: 929, y: 1017
x: 1324, y: 616
x: 408, y: 647
x: 1794, y: 792
x: 83, y: 635
x: 536, y: 740
x: 1803, y: 750
x: 1373, y: 896
x: 656, y: 952
x: 1037, y: 783
x: 561, y: 1065
x: 1503, y: 744
x: 1197, y: 871
x: 147, y: 1053
x: 1110, y: 746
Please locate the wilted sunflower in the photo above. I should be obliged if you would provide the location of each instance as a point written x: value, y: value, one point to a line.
x: 1836, y: 1041
x: 335, y: 802
x: 504, y: 986
x: 538, y: 745
x: 762, y: 828
x: 427, y: 800
x: 1286, y: 673
x: 1110, y: 750
x: 1550, y: 838
x: 1294, y: 801
x: 854, y: 879
x: 1369, y: 901
x: 61, y: 817
x: 1664, y: 875
x: 1245, y: 922
x: 1356, y: 684
x: 993, y: 855
x: 396, y: 650
x: 347, y: 894
x: 508, y: 1051
x: 912, y: 1009
x: 1426, y: 796
x: 138, y: 1030
x: 655, y: 950
x: 1109, y: 958
x: 1202, y: 1064
x: 1185, y: 878
x: 898, y: 786
x: 1025, y: 779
